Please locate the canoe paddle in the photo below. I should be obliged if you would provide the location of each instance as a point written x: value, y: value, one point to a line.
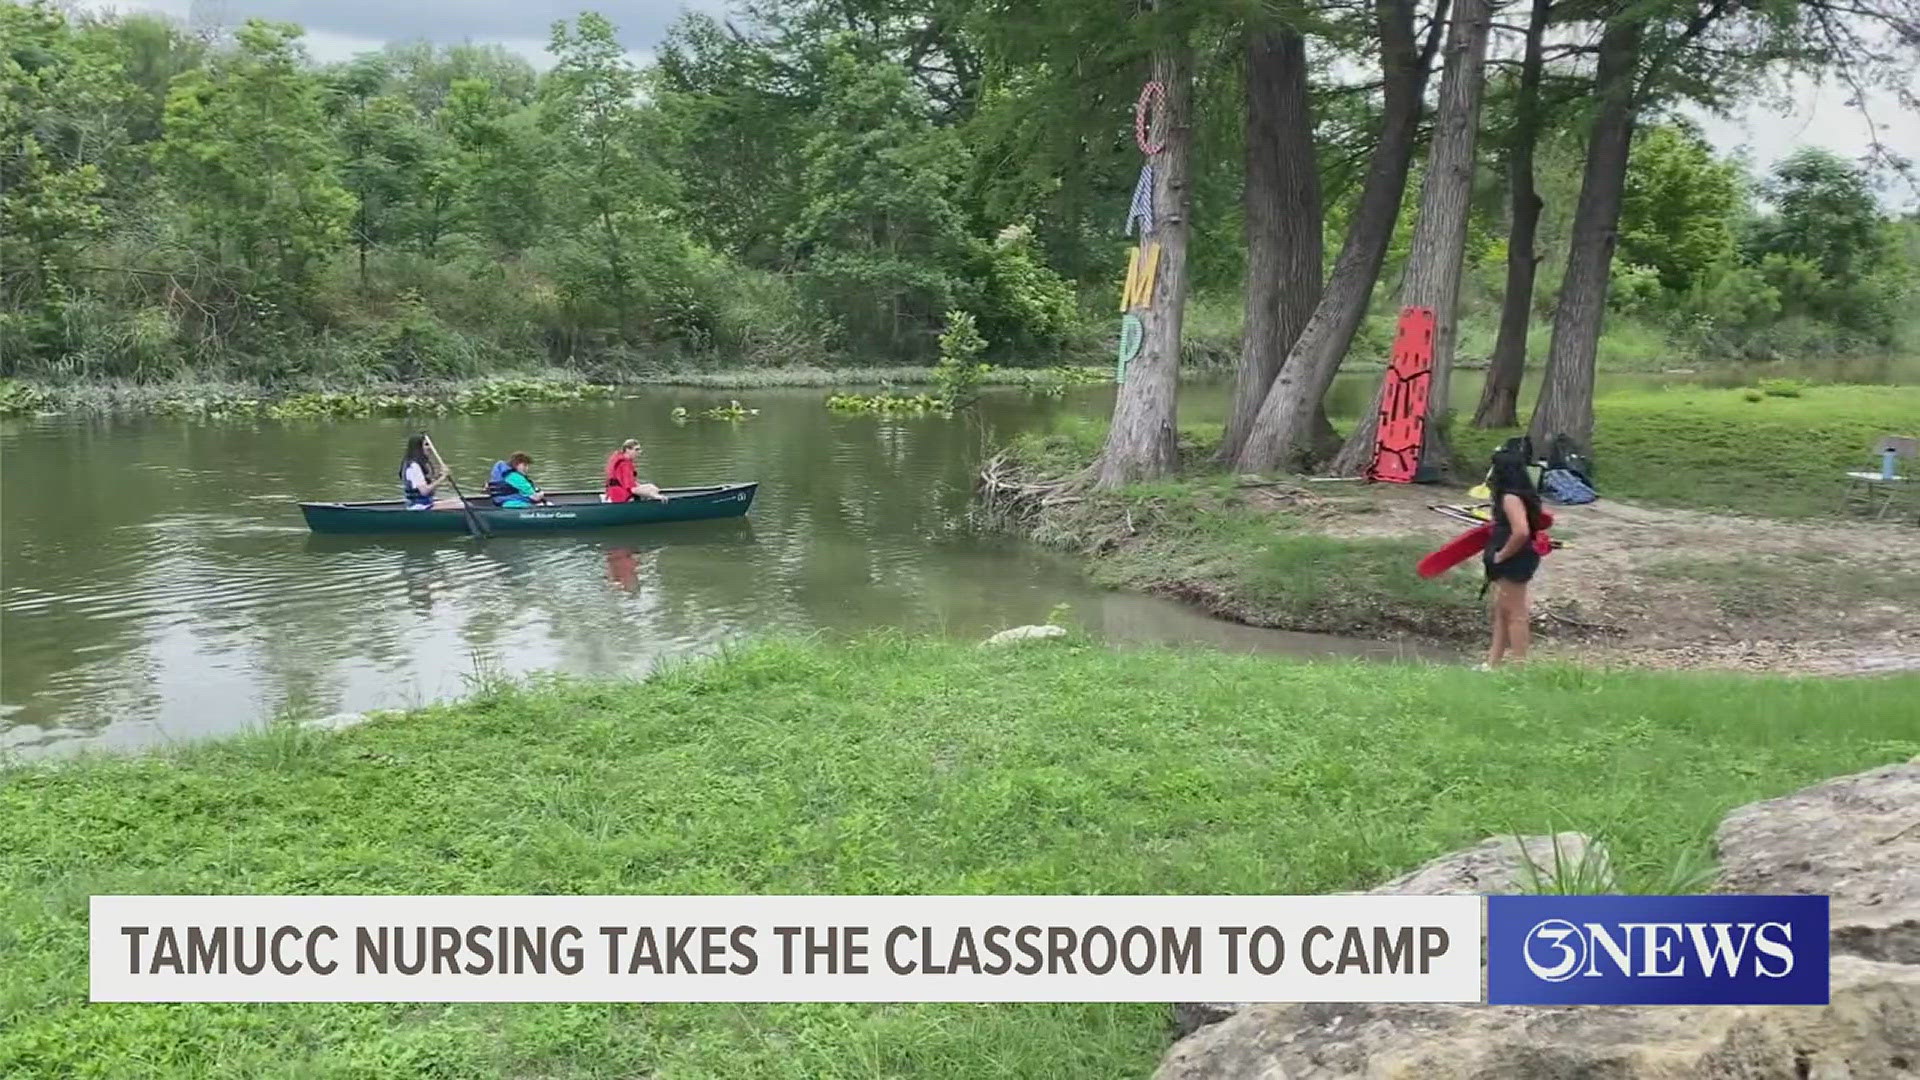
x: 474, y: 526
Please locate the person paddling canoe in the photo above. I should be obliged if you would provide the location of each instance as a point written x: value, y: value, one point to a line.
x: 622, y: 484
x: 418, y: 480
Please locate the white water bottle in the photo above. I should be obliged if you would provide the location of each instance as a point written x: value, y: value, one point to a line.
x: 1886, y: 463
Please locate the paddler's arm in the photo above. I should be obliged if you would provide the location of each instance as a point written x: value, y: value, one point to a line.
x: 1520, y: 531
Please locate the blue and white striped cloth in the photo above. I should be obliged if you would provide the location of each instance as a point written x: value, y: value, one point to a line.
x: 1141, y: 210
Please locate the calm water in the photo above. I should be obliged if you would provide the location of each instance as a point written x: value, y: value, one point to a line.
x: 157, y: 582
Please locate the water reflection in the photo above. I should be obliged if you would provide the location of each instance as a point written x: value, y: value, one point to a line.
x: 194, y: 601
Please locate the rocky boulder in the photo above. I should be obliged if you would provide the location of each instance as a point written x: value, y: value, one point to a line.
x: 1498, y: 864
x: 1856, y: 839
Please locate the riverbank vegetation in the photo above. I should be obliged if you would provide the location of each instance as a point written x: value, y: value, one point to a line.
x: 889, y: 765
x: 1677, y: 564
x: 783, y: 189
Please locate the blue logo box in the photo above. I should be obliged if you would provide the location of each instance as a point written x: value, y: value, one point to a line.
x: 1657, y: 950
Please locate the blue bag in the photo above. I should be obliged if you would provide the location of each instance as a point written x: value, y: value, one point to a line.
x: 1564, y: 487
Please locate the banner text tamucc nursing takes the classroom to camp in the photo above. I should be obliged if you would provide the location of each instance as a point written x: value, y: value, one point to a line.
x: 785, y: 948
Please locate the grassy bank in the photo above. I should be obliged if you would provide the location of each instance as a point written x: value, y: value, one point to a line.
x: 1746, y: 451
x: 891, y: 765
x: 1235, y: 547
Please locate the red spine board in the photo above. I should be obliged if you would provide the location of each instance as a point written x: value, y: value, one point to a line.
x: 1456, y: 551
x: 1473, y: 541
x: 1401, y: 431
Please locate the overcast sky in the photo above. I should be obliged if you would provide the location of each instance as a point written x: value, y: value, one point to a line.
x: 338, y: 29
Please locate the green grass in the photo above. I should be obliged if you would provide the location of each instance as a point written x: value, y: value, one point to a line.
x: 891, y: 765
x: 1715, y: 449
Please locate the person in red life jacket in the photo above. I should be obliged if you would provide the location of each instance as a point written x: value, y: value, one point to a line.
x: 622, y: 484
x: 1511, y: 556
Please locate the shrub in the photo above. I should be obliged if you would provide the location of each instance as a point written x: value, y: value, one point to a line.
x: 959, y: 371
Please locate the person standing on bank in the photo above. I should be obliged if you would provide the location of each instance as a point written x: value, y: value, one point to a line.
x: 1511, y: 558
x: 622, y: 484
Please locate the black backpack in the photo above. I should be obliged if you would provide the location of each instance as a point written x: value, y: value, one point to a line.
x: 1564, y: 453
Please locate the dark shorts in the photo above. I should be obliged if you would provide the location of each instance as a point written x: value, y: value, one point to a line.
x: 1520, y: 567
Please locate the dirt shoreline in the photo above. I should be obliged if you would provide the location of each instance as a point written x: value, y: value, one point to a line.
x: 1676, y: 588
x: 1635, y: 585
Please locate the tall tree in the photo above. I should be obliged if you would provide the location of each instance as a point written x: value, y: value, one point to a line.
x: 605, y: 190
x: 1565, y: 403
x: 248, y: 153
x: 1283, y: 220
x: 879, y: 238
x: 50, y: 178
x: 1500, y: 392
x: 1284, y: 425
x: 1141, y: 442
x: 496, y: 163
x: 1432, y: 277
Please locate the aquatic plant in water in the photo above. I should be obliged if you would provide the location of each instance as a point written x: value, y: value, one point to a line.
x: 19, y: 399
x: 489, y: 396
x: 732, y: 410
x: 887, y: 403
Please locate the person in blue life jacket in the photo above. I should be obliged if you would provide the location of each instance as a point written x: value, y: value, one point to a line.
x: 419, y: 482
x: 509, y: 484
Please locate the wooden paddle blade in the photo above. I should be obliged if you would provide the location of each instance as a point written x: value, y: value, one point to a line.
x: 1455, y: 551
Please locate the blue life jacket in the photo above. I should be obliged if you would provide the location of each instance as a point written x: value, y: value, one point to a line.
x: 503, y: 493
x: 413, y: 495
x: 497, y: 485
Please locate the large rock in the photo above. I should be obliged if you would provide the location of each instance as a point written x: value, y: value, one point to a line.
x: 1869, y: 1030
x: 1856, y: 839
x: 1498, y: 864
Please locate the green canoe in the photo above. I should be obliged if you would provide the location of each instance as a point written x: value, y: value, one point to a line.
x: 565, y: 510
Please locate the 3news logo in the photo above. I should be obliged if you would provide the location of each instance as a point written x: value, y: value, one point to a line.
x: 1657, y: 950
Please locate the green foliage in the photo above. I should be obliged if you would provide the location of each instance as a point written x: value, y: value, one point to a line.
x: 886, y: 765
x: 1783, y: 387
x: 732, y: 411
x: 803, y: 184
x: 488, y: 396
x: 959, y: 372
x: 19, y: 399
x: 247, y: 153
x: 886, y: 403
x: 52, y: 85
x: 880, y: 236
x: 1680, y: 206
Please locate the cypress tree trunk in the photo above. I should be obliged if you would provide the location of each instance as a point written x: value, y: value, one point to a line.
x: 1284, y: 221
x: 1284, y: 426
x: 1140, y: 442
x: 1432, y: 278
x: 1501, y: 392
x: 1565, y: 405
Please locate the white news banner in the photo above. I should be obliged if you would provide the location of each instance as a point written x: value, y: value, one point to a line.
x: 785, y: 948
